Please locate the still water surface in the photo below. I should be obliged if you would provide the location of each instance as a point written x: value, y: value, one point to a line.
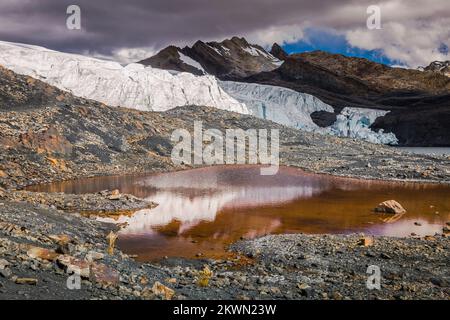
x: 204, y: 210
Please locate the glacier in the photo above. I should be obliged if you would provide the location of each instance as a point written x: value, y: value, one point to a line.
x: 280, y: 105
x: 356, y: 122
x: 293, y: 109
x: 133, y: 86
x: 150, y: 89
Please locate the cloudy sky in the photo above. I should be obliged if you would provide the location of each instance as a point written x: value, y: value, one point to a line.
x: 414, y: 32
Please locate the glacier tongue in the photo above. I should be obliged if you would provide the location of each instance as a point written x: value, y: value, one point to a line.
x: 281, y: 105
x: 355, y: 123
x: 133, y: 86
x: 293, y: 109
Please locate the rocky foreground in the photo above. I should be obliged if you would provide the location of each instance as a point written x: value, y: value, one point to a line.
x: 41, y: 248
x: 44, y: 238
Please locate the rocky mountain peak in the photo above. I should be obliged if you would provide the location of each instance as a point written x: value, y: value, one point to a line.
x: 278, y: 52
x: 442, y: 67
x: 230, y: 59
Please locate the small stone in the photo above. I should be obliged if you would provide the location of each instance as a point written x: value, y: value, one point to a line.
x: 5, y: 273
x: 30, y: 281
x: 385, y: 256
x: 171, y: 280
x: 60, y: 239
x: 438, y: 282
x: 3, y: 264
x: 101, y: 273
x: 73, y: 265
x: 337, y: 296
x: 305, y: 289
x: 94, y: 256
x: 417, y: 224
x: 366, y: 241
x: 42, y: 253
x: 390, y: 206
x: 114, y: 197
x: 161, y: 290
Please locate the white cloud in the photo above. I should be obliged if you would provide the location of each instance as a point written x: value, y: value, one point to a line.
x: 279, y: 34
x: 412, y: 29
x: 124, y: 55
x: 414, y: 43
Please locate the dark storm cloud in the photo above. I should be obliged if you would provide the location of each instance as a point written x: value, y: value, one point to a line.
x: 138, y: 23
x: 412, y: 30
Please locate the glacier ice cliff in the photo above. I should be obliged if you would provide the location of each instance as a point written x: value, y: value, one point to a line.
x: 281, y: 105
x: 356, y: 122
x: 293, y: 109
x: 133, y: 86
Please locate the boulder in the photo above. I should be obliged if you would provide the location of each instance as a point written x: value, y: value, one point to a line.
x: 3, y: 264
x: 30, y: 281
x: 42, y: 253
x: 73, y: 265
x: 161, y: 290
x: 366, y: 241
x: 390, y: 206
x: 101, y: 273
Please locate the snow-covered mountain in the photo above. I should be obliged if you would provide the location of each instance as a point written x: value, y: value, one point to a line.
x: 145, y: 88
x: 294, y: 109
x: 132, y: 86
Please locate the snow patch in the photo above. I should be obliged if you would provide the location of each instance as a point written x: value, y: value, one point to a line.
x: 253, y: 51
x: 226, y: 50
x: 189, y: 61
x: 215, y: 49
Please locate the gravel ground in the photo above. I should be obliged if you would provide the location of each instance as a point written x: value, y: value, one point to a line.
x: 40, y: 247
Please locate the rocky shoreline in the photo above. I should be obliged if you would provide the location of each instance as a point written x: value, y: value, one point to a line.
x: 103, y: 202
x: 40, y: 249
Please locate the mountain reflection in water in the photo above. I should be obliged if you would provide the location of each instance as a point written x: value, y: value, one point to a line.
x: 204, y: 210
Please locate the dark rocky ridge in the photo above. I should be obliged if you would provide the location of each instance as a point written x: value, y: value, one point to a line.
x: 278, y: 52
x: 442, y: 67
x: 228, y: 60
x: 169, y: 59
x: 419, y: 101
